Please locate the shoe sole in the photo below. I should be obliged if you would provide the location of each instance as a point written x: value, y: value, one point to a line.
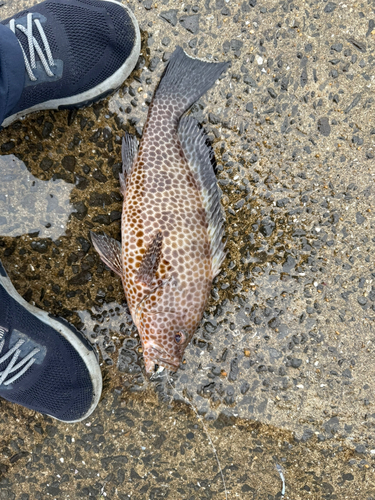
x: 71, y: 334
x: 97, y: 93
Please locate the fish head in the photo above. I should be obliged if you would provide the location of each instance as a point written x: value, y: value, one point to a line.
x: 164, y: 339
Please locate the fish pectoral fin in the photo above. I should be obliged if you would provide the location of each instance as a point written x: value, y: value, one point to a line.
x: 109, y: 251
x: 150, y: 262
x: 129, y: 152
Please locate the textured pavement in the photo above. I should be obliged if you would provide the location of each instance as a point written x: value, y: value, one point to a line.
x: 281, y: 370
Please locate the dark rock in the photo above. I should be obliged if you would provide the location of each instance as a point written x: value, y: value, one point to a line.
x: 246, y: 488
x: 307, y: 434
x: 80, y: 278
x: 267, y: 226
x: 71, y: 116
x: 166, y: 41
x: 99, y: 176
x: 18, y: 456
x: 295, y: 362
x: 41, y: 246
x: 47, y: 129
x: 250, y: 81
x: 236, y: 46
x: 193, y: 43
x: 46, y: 164
x: 289, y: 264
x: 102, y: 219
x: 148, y: 4
x: 99, y: 200
x: 362, y: 301
x: 332, y: 425
x: 213, y: 119
x: 250, y: 107
x: 170, y: 16
x: 81, y: 182
x: 7, y: 146
x: 353, y: 103
x: 359, y: 218
x: 233, y: 373
x: 272, y: 93
x: 282, y: 203
x: 274, y: 323
x: 115, y: 215
x: 371, y: 26
x: 358, y: 45
x: 334, y: 73
x: 120, y: 459
x: 226, y: 47
x: 360, y: 448
x: 167, y: 56
x: 69, y: 163
x: 153, y: 63
x: 190, y: 23
x: 239, y: 204
x: 337, y: 47
x: 85, y: 244
x: 80, y: 210
x: 348, y: 477
x: 330, y: 7
x: 324, y: 126
x: 244, y: 387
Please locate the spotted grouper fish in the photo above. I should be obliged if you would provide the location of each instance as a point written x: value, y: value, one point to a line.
x: 172, y: 222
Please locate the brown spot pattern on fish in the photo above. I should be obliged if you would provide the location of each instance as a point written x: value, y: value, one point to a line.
x: 170, y: 190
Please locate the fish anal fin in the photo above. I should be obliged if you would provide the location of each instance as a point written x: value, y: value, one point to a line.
x: 147, y: 271
x: 200, y: 157
x: 109, y: 251
x: 129, y: 151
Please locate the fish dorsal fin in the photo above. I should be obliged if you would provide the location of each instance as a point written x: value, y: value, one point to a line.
x: 200, y: 157
x: 129, y: 151
x: 109, y: 251
x: 151, y: 258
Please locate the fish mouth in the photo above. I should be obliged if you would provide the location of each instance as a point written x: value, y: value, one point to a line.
x: 155, y: 359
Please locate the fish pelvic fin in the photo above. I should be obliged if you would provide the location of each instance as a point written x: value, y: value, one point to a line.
x: 185, y: 80
x: 129, y: 152
x: 109, y: 251
x: 200, y: 157
x: 146, y: 273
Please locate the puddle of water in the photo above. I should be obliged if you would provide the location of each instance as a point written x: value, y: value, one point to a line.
x: 29, y: 205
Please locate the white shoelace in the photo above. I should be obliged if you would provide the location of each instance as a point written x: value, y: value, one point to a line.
x: 12, y: 366
x: 34, y: 45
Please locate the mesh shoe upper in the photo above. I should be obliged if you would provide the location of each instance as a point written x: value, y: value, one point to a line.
x: 58, y: 382
x: 91, y: 38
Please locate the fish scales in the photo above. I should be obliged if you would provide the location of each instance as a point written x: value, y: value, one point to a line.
x: 172, y: 225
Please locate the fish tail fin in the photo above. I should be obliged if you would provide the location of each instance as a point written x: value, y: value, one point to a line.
x: 185, y: 80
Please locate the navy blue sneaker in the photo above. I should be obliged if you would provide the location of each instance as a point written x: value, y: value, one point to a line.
x: 45, y: 363
x: 75, y: 52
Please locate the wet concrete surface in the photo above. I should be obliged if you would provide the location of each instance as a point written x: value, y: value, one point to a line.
x: 281, y: 370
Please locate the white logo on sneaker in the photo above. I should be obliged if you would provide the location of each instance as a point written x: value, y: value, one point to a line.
x: 3, y: 331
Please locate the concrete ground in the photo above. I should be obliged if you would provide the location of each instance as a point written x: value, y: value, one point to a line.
x: 281, y: 371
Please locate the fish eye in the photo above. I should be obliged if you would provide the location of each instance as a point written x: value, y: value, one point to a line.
x: 179, y: 337
x: 156, y: 368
